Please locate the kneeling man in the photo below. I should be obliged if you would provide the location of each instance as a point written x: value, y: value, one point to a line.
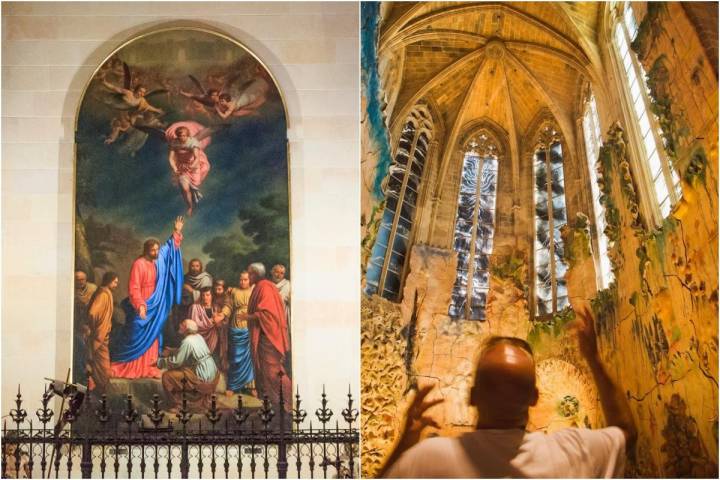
x: 193, y: 361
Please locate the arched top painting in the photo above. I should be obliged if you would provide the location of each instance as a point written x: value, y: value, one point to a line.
x: 181, y: 207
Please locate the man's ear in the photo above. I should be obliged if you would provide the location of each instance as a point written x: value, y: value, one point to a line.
x: 534, y: 397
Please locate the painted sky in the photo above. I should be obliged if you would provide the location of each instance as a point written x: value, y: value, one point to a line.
x: 247, y: 157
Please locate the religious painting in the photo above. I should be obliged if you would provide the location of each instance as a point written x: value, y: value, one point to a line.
x: 182, y: 257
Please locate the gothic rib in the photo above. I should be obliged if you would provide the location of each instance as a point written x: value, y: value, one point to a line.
x: 402, y: 112
x: 416, y: 24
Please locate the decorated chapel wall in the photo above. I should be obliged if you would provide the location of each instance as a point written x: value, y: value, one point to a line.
x: 658, y: 327
x: 50, y: 51
x: 416, y: 340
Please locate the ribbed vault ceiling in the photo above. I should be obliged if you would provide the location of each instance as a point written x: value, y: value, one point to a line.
x: 504, y: 61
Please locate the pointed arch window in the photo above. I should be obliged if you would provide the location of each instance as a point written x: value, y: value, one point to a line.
x: 385, y: 272
x: 664, y: 178
x: 550, y: 216
x: 475, y: 228
x: 593, y: 141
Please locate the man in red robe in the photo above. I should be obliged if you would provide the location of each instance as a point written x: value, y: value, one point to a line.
x: 269, y: 340
x: 141, y: 286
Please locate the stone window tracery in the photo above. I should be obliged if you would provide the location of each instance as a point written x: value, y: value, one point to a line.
x: 593, y: 141
x: 475, y: 227
x: 385, y: 272
x: 550, y: 215
x: 665, y: 180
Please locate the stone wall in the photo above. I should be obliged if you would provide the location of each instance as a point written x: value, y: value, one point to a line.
x: 416, y: 339
x: 662, y: 317
x: 50, y: 50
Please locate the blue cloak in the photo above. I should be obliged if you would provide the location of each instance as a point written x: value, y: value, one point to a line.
x: 240, y: 370
x: 133, y: 339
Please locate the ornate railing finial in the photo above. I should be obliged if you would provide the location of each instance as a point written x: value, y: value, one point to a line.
x: 350, y: 414
x: 324, y: 414
x: 156, y: 414
x: 266, y: 412
x: 18, y: 413
x: 298, y: 414
x: 240, y: 413
x: 213, y: 415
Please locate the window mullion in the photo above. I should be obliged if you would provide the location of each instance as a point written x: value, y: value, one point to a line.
x: 473, y: 241
x: 551, y: 226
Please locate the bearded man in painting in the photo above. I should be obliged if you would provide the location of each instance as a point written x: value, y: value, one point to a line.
x: 269, y: 340
x: 195, y: 280
x: 155, y: 285
x: 83, y: 289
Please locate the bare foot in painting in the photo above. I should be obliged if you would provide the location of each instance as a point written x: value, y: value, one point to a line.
x: 189, y: 212
x: 229, y: 393
x: 254, y: 393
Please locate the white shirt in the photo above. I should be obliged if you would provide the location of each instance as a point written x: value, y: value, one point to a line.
x: 193, y: 352
x: 567, y: 453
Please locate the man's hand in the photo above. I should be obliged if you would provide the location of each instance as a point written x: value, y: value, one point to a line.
x: 418, y: 416
x: 179, y: 223
x: 584, y: 326
x: 218, y: 318
x: 142, y: 311
x: 416, y: 419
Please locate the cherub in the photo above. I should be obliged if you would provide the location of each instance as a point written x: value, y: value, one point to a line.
x: 254, y: 95
x: 121, y: 124
x: 133, y: 126
x: 209, y: 98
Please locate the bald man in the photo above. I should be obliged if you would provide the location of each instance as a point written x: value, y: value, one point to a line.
x: 503, y: 391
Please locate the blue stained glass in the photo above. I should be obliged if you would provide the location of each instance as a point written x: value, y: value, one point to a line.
x: 402, y: 182
x: 383, y: 235
x: 545, y: 278
x: 481, y: 212
x: 400, y: 245
x: 468, y: 182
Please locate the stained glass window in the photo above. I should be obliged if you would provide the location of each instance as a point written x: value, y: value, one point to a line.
x: 593, y: 140
x: 550, y: 215
x: 665, y: 180
x: 474, y: 228
x: 402, y: 189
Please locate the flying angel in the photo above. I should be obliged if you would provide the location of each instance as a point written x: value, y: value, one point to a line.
x: 253, y: 94
x: 131, y: 98
x: 187, y: 141
x: 208, y: 98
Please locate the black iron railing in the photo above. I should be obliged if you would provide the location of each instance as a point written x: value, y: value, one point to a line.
x: 93, y: 441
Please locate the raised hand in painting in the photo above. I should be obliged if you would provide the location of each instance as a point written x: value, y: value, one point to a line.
x: 179, y: 223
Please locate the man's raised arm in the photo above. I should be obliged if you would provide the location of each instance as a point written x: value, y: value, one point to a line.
x: 177, y: 231
x: 615, y: 405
